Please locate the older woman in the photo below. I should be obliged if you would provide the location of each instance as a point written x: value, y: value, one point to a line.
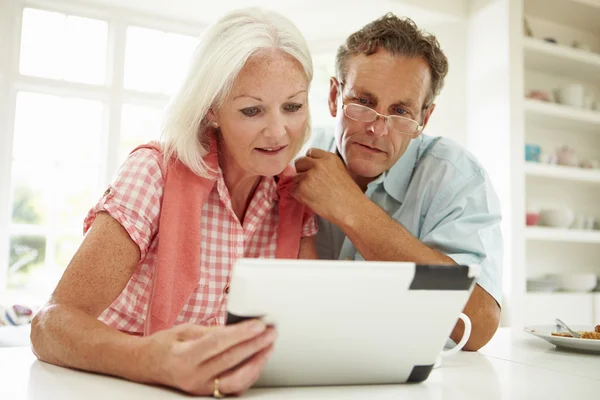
x: 144, y: 297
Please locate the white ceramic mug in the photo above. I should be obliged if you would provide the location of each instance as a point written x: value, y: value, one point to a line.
x: 463, y: 341
x: 572, y: 95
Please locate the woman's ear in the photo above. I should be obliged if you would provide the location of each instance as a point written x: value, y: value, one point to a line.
x: 212, y: 119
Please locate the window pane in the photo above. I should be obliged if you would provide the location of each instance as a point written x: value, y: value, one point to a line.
x: 26, y: 260
x: 80, y: 134
x: 42, y: 43
x: 66, y: 246
x: 51, y: 128
x: 179, y: 50
x: 29, y: 205
x: 85, y: 59
x: 139, y: 124
x: 75, y: 192
x: 156, y: 61
x: 60, y: 47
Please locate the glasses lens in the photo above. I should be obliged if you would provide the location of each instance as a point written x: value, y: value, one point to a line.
x: 360, y: 113
x: 404, y: 125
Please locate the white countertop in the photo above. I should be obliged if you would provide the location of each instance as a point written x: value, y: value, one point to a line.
x: 514, y: 365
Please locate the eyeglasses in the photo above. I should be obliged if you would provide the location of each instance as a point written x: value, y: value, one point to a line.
x: 397, y: 123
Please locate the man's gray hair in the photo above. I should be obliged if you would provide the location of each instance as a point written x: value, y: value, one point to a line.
x: 399, y: 37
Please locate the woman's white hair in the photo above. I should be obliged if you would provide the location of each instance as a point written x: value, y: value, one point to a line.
x: 224, y: 49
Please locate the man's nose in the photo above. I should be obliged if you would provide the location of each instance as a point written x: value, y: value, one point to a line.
x: 378, y: 128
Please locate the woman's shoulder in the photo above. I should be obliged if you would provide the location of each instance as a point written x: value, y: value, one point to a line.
x: 144, y: 160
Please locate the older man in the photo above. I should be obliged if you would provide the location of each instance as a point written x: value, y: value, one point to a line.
x: 387, y: 192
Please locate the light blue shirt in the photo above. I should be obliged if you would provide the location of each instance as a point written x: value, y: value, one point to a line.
x: 443, y: 197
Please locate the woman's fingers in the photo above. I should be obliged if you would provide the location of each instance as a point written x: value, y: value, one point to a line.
x: 240, y: 379
x: 218, y: 340
x: 238, y: 354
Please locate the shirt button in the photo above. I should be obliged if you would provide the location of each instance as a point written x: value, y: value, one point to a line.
x: 227, y: 289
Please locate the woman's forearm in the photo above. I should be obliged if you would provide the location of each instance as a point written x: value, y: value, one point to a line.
x: 69, y: 337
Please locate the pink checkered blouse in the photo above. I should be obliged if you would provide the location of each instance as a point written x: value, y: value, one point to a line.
x: 134, y: 199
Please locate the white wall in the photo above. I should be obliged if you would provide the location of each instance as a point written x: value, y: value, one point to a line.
x: 495, y: 122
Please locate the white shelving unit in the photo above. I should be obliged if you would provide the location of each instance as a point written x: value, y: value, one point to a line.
x: 562, y: 235
x: 560, y: 59
x: 572, y: 174
x: 547, y: 66
x: 560, y: 116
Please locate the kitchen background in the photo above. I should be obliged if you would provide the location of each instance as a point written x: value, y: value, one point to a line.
x: 82, y: 82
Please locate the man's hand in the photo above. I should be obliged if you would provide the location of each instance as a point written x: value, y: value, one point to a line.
x: 324, y: 185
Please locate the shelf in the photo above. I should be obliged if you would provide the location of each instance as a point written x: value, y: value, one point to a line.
x: 562, y: 235
x: 579, y: 14
x: 561, y: 60
x: 564, y: 173
x: 557, y: 116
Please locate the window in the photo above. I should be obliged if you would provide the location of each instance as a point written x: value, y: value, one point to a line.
x: 60, y: 46
x: 63, y: 129
x: 54, y: 179
x: 139, y: 124
x: 155, y: 60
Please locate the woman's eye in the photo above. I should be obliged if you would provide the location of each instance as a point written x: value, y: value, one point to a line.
x: 293, y: 107
x: 250, y: 111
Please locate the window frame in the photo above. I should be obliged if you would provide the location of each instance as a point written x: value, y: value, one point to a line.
x: 112, y: 93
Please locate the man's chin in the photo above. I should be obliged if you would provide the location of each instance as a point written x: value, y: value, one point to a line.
x: 365, y: 169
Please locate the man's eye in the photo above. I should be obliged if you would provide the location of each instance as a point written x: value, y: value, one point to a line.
x: 401, y: 111
x: 293, y: 107
x: 363, y: 101
x: 250, y: 111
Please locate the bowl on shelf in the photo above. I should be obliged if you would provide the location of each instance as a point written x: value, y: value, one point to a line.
x: 584, y: 282
x: 557, y: 217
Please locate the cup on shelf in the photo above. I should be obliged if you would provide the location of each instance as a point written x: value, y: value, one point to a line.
x: 532, y: 152
x: 572, y: 94
x: 590, y: 223
x: 532, y: 218
x: 589, y: 100
x: 579, y: 222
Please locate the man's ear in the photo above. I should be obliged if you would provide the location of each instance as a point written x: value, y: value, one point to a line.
x: 334, y: 92
x: 427, y: 114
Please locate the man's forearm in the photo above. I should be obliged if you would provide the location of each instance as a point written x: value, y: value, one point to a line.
x: 377, y: 237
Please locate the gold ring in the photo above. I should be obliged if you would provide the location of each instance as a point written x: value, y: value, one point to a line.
x: 216, y: 393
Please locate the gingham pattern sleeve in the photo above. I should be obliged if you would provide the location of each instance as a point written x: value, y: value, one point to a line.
x: 134, y: 198
x: 309, y: 225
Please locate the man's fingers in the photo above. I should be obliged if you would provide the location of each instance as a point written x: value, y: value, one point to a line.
x: 218, y: 340
x: 303, y: 164
x: 240, y: 379
x: 237, y: 355
x: 316, y: 153
x: 299, y: 177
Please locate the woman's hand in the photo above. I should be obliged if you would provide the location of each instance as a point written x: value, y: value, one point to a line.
x: 190, y: 357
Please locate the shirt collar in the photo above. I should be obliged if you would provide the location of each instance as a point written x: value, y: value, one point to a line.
x: 398, y: 177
